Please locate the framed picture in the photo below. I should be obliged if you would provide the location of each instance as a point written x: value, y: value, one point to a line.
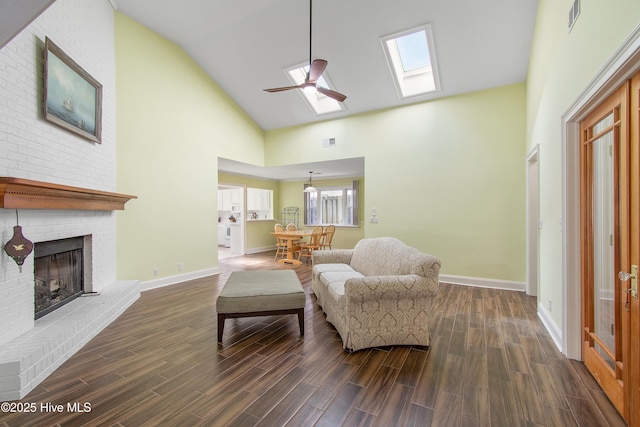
x: 72, y: 98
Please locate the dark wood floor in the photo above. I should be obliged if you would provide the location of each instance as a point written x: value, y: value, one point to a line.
x: 491, y: 363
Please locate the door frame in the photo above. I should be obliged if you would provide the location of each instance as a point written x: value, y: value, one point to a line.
x: 620, y: 67
x: 243, y: 198
x: 533, y: 221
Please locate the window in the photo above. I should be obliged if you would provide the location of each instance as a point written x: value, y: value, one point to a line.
x: 320, y: 103
x: 412, y: 62
x: 336, y: 205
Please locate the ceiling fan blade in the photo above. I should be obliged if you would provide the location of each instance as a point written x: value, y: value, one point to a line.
x: 331, y: 94
x: 280, y: 89
x: 317, y: 68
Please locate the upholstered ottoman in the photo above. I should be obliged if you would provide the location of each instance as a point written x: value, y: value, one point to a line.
x: 261, y: 293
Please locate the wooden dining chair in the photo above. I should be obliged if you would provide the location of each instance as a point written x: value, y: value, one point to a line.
x: 327, y: 238
x: 292, y: 227
x: 281, y: 244
x: 306, y: 249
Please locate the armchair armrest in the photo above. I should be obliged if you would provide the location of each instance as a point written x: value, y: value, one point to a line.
x: 334, y: 256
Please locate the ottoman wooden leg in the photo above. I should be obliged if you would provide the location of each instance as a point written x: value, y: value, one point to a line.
x: 301, y: 320
x: 221, y: 318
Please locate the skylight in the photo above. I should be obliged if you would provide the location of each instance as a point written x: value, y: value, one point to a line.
x: 412, y: 62
x: 320, y: 103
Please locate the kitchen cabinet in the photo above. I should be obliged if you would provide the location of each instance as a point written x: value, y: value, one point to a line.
x: 260, y: 200
x: 236, y: 196
x: 229, y: 200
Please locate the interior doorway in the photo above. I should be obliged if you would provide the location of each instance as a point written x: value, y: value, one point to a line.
x: 231, y: 220
x: 533, y: 222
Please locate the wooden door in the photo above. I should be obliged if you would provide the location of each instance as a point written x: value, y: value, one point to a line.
x: 610, y: 234
x: 632, y: 297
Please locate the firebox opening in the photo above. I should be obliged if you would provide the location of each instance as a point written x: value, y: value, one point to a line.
x: 58, y: 271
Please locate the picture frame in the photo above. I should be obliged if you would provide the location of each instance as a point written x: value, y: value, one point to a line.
x: 72, y: 97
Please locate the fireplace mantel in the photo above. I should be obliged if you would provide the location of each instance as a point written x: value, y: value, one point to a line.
x: 19, y: 193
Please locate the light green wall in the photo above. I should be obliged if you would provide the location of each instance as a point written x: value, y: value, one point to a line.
x: 173, y: 124
x: 562, y: 65
x: 445, y: 176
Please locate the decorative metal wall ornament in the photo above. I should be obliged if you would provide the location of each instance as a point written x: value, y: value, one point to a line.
x: 19, y: 247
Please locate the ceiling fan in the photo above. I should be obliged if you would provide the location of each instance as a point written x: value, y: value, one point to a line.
x: 316, y: 68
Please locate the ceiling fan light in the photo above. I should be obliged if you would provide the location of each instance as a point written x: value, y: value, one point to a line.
x: 312, y: 75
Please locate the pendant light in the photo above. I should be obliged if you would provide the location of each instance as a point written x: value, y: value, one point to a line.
x: 310, y: 188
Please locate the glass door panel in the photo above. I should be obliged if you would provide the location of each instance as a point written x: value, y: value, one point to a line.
x: 604, y: 224
x: 603, y: 240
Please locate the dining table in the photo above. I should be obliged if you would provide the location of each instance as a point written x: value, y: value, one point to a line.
x: 291, y: 237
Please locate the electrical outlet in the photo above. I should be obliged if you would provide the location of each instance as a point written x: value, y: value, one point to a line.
x: 550, y: 305
x: 180, y: 266
x: 156, y: 271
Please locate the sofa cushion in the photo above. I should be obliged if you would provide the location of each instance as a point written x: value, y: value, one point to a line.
x: 335, y: 280
x: 330, y: 278
x: 261, y: 290
x: 322, y: 268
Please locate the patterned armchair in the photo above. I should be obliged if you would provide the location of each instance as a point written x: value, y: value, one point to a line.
x: 378, y: 293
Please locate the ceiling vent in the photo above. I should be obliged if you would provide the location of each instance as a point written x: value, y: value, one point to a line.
x: 329, y: 142
x: 574, y: 13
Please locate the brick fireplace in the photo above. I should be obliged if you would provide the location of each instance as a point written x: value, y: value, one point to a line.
x: 30, y: 348
x: 33, y: 148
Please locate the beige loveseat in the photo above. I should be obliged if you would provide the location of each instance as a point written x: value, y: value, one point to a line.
x: 378, y: 293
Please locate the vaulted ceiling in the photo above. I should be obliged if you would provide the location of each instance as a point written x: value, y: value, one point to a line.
x: 246, y: 45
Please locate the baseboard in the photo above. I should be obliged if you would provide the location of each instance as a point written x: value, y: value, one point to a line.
x: 179, y: 278
x: 481, y: 282
x: 261, y: 249
x: 550, y: 325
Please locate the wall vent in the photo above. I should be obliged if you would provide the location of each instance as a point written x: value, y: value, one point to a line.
x: 329, y: 142
x: 574, y: 12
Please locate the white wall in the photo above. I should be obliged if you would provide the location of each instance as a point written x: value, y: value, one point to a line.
x: 36, y: 149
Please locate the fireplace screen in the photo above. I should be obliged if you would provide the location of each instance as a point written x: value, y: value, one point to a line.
x: 58, y: 273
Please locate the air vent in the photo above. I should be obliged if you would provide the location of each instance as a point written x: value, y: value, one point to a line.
x: 329, y: 142
x: 574, y: 13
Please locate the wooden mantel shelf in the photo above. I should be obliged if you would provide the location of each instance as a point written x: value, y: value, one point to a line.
x: 18, y: 193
